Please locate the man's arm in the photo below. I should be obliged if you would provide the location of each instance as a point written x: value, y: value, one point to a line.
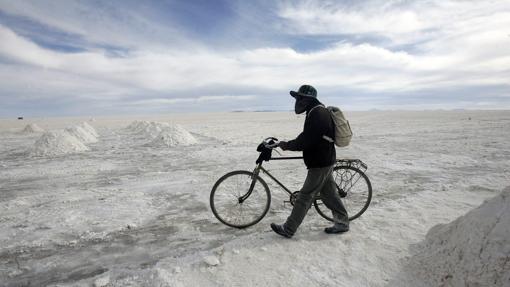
x: 297, y: 144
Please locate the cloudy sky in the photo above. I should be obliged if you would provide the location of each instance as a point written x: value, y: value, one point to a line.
x: 118, y: 57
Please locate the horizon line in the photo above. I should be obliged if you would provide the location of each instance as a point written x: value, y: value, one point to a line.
x: 247, y: 111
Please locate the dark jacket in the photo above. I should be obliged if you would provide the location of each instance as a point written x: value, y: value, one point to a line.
x: 317, y: 152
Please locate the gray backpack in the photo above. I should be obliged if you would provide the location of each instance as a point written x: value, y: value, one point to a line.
x: 343, y: 132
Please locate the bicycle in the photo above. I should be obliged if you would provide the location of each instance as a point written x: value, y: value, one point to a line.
x: 242, y: 198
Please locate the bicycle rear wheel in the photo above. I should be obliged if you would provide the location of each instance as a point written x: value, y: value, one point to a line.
x: 355, y: 190
x: 232, y: 202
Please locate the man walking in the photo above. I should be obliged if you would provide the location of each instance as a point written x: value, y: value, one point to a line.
x: 319, y: 155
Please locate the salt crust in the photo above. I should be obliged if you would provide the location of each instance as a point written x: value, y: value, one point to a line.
x: 473, y: 250
x: 102, y: 281
x: 58, y: 142
x: 32, y: 128
x: 163, y: 134
x: 211, y: 260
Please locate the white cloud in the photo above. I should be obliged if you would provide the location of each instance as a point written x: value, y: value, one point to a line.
x: 334, y: 17
x: 363, y: 66
x: 456, y: 44
x: 403, y: 22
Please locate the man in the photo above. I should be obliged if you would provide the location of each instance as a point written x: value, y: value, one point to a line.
x: 319, y: 156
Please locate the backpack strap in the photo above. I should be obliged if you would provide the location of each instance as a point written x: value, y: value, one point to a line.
x: 314, y: 109
x: 325, y: 137
x: 328, y: 138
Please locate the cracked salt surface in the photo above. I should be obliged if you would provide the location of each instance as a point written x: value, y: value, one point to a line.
x: 129, y: 213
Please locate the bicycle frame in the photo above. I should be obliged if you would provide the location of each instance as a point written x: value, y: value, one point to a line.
x: 259, y: 168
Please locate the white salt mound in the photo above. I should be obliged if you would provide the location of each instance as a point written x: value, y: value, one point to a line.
x: 135, y: 125
x: 139, y: 126
x: 473, y: 250
x: 148, y: 129
x: 174, y: 135
x: 82, y: 134
x: 89, y: 129
x: 32, y: 128
x: 163, y: 134
x: 58, y: 142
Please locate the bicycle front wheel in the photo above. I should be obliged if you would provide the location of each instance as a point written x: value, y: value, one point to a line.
x: 234, y: 204
x: 355, y: 190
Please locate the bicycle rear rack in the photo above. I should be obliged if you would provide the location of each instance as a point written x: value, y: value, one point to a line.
x: 349, y: 179
x: 357, y: 163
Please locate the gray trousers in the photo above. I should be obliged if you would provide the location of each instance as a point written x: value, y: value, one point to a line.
x: 317, y: 180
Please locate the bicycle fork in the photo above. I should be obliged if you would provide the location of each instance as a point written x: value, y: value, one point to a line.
x: 254, y: 175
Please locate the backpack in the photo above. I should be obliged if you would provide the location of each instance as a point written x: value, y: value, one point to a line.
x: 343, y: 132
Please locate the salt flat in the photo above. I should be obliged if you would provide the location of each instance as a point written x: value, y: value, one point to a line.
x: 126, y: 212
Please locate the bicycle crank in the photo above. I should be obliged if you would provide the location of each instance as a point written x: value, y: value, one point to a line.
x: 293, y: 197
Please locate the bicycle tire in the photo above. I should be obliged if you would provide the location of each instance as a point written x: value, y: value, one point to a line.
x: 224, y: 201
x: 355, y: 202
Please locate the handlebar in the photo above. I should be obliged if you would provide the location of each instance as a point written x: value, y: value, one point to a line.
x: 270, y: 142
x: 265, y: 149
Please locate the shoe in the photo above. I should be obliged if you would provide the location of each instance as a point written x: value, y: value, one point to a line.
x: 337, y: 228
x: 281, y: 230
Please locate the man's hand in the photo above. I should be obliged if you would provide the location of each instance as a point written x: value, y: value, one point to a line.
x: 282, y: 145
